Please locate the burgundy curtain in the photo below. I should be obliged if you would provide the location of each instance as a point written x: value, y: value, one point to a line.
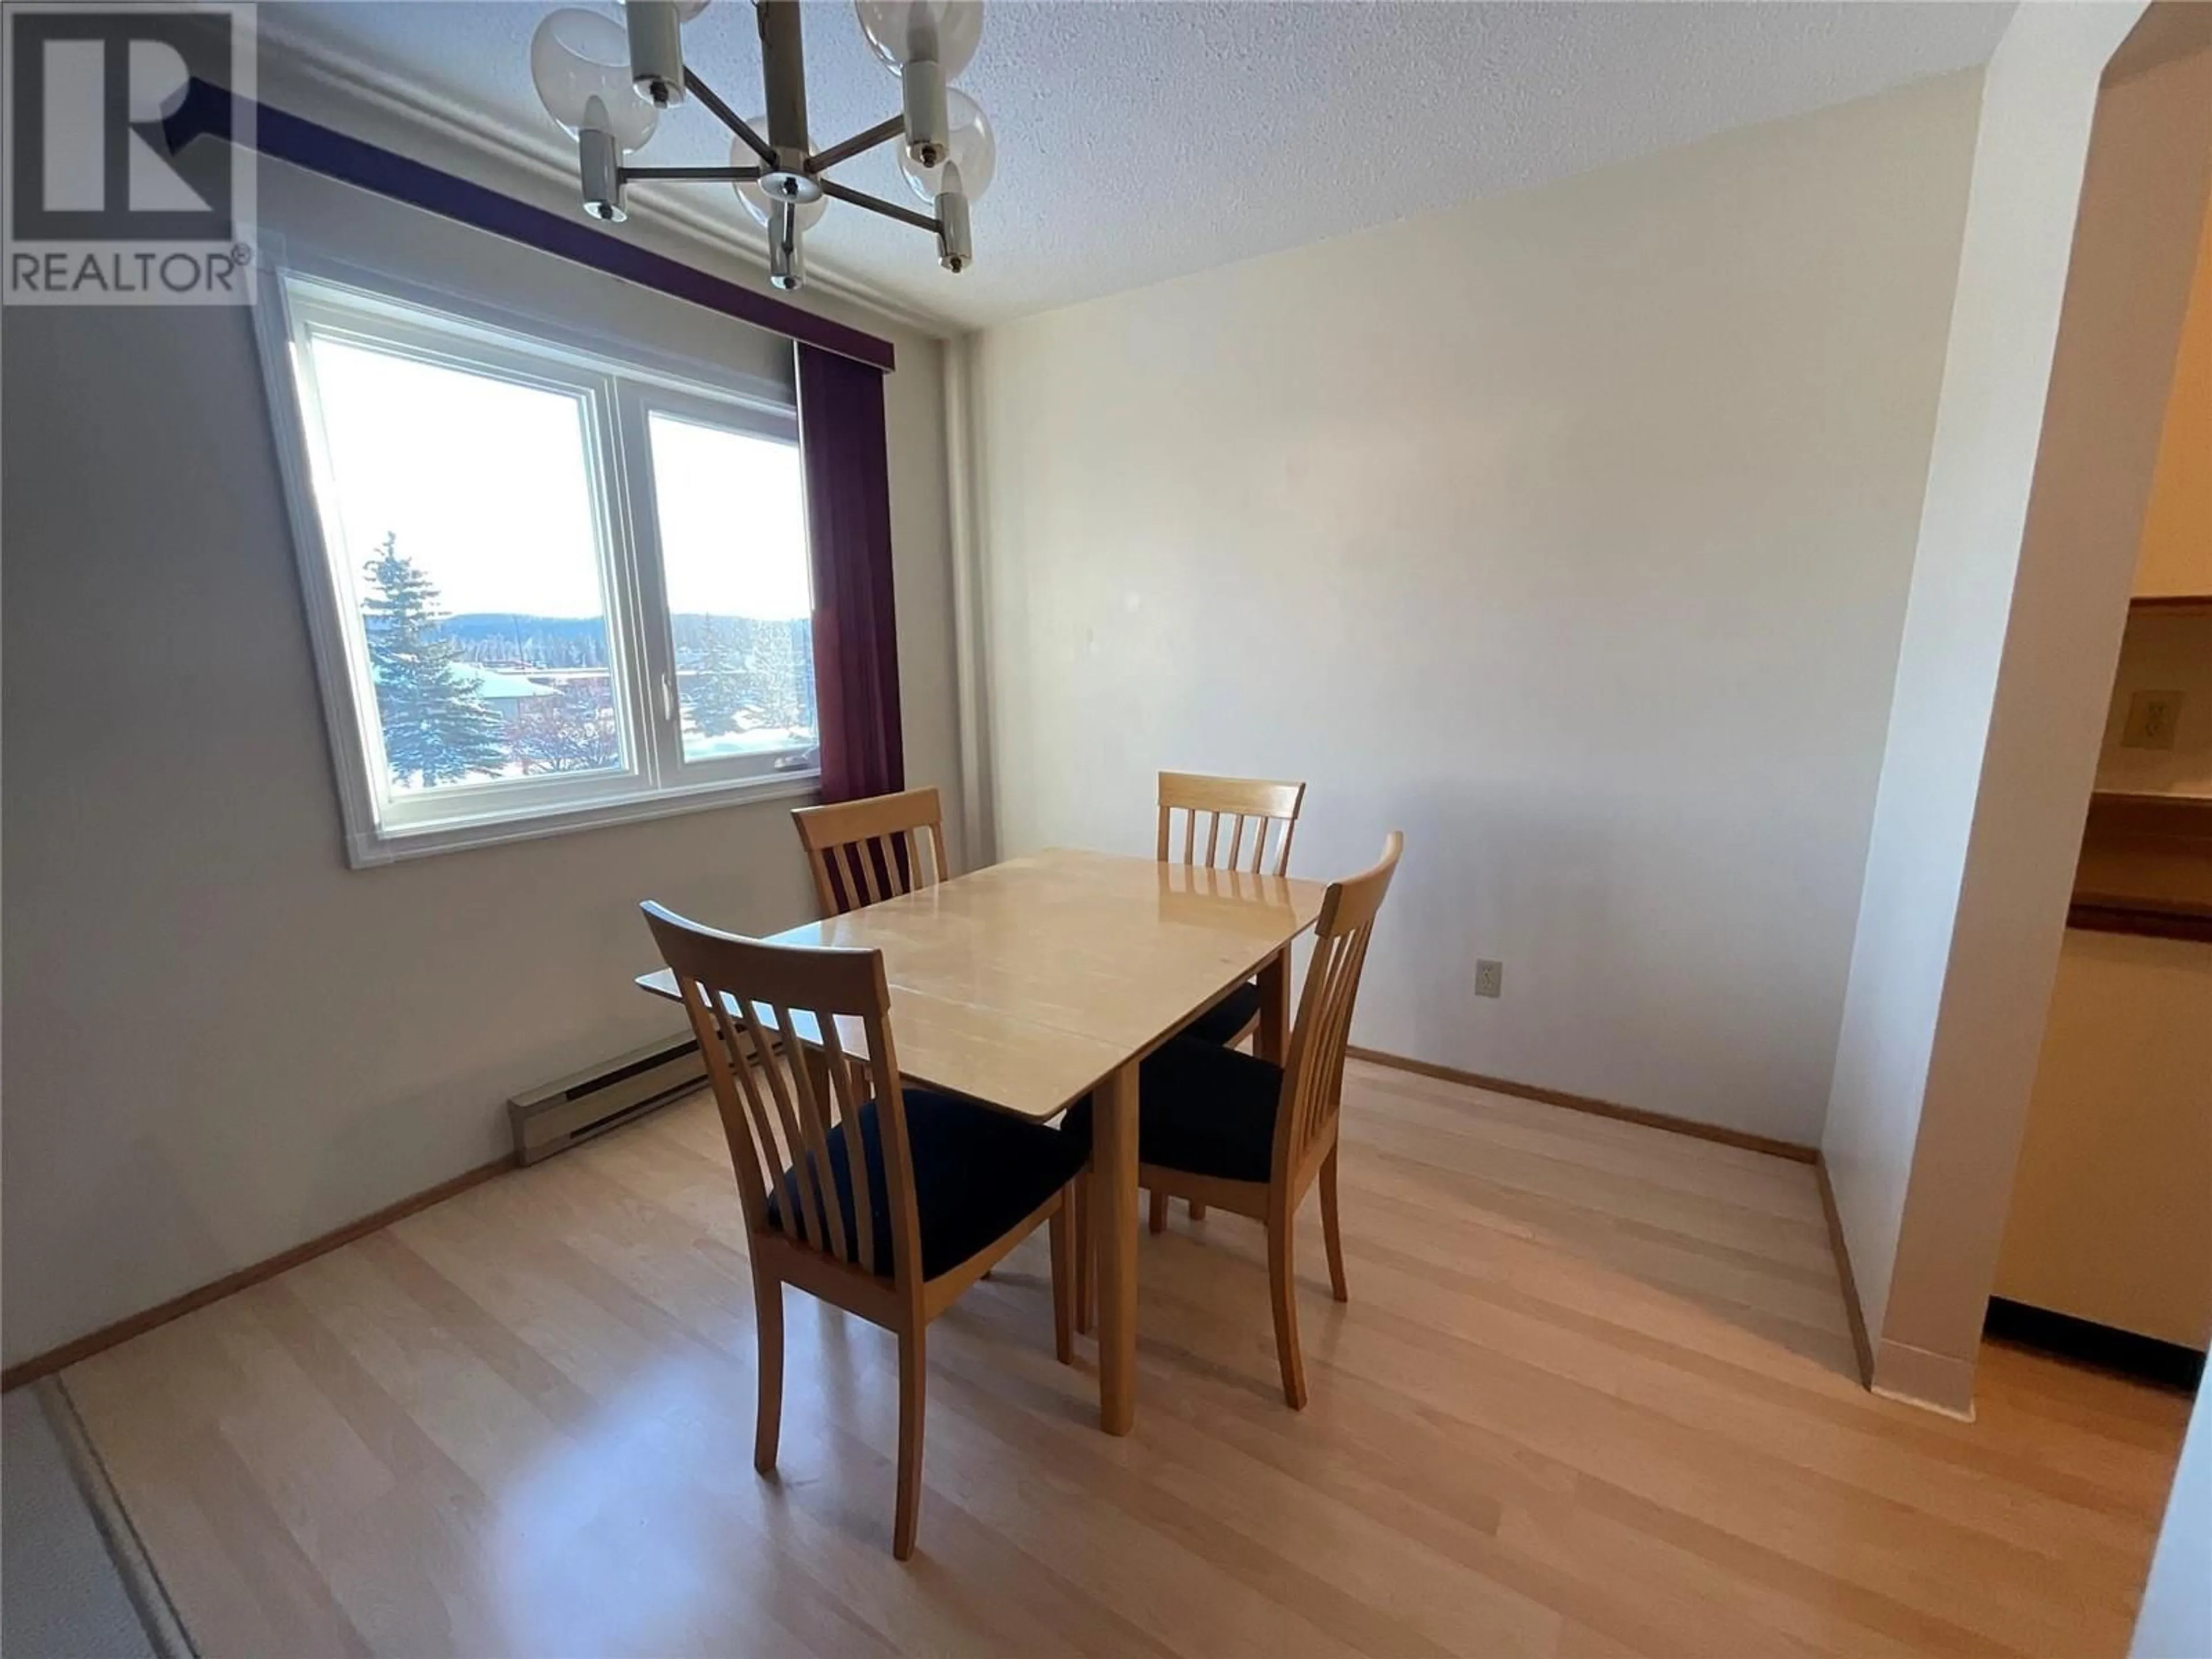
x: 848, y: 523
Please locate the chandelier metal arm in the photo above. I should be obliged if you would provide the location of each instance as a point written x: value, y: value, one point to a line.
x: 858, y: 145
x: 728, y: 117
x: 704, y: 175
x: 860, y: 198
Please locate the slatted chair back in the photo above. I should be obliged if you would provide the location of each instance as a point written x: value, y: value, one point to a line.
x: 781, y: 1106
x: 1313, y: 1076
x: 862, y: 852
x: 1270, y: 808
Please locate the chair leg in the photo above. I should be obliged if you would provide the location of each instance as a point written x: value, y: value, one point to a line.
x: 1282, y: 1286
x: 1079, y: 1192
x: 1159, y: 1211
x: 1197, y: 1211
x: 911, y: 1364
x: 1330, y: 1229
x: 768, y: 1326
x: 1063, y: 1287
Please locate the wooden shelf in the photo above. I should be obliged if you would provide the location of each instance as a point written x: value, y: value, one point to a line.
x: 2148, y: 812
x: 2142, y: 920
x: 2146, y: 866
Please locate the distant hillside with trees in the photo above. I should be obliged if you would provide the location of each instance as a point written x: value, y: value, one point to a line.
x: 503, y: 638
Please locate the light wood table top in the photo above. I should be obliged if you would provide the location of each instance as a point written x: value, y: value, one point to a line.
x: 1025, y: 983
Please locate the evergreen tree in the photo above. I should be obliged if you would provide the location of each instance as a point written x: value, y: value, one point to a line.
x: 435, y: 729
x: 714, y: 681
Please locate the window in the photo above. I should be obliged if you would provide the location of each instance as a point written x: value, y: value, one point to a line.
x: 551, y: 588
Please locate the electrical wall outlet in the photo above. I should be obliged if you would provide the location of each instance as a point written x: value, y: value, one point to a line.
x: 1488, y: 978
x: 2152, y: 718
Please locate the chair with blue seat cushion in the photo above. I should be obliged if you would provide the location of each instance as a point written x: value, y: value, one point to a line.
x: 1224, y: 1128
x: 1202, y: 1108
x: 977, y: 1173
x: 1231, y: 1020
x: 863, y: 852
x: 1271, y: 809
x: 888, y: 1208
x: 1260, y: 815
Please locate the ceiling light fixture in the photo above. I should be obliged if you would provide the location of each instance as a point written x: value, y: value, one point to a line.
x: 606, y: 83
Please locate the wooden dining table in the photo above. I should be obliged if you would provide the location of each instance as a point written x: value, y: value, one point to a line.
x: 1033, y: 982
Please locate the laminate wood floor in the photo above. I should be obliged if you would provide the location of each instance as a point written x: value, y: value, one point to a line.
x: 1591, y: 1397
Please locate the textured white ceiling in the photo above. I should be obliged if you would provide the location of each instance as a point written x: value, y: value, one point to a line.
x: 1139, y: 141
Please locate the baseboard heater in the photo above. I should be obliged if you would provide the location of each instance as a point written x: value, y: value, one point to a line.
x: 571, y: 1111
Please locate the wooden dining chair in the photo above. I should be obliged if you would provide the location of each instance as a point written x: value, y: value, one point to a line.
x: 861, y: 852
x: 888, y: 1208
x: 1225, y: 1128
x: 1271, y: 809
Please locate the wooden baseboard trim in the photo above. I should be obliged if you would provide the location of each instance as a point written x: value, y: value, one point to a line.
x: 1684, y: 1126
x: 55, y: 1359
x: 2146, y: 1358
x: 1862, y: 1344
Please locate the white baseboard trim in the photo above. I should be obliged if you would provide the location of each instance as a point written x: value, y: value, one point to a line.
x: 1933, y: 1381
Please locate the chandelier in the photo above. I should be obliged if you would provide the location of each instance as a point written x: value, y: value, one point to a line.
x: 607, y: 83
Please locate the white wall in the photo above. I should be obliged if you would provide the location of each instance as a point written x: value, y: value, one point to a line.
x: 2025, y: 552
x: 2176, y: 1619
x: 1569, y: 532
x: 2036, y: 108
x: 2110, y: 1218
x: 221, y: 1040
x: 2163, y: 651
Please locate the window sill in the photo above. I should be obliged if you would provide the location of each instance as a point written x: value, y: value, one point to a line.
x: 378, y: 848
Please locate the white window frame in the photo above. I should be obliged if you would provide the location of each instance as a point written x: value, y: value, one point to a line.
x: 618, y: 384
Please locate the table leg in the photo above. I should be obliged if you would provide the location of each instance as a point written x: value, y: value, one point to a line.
x: 1272, y: 1040
x: 1114, y: 1225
